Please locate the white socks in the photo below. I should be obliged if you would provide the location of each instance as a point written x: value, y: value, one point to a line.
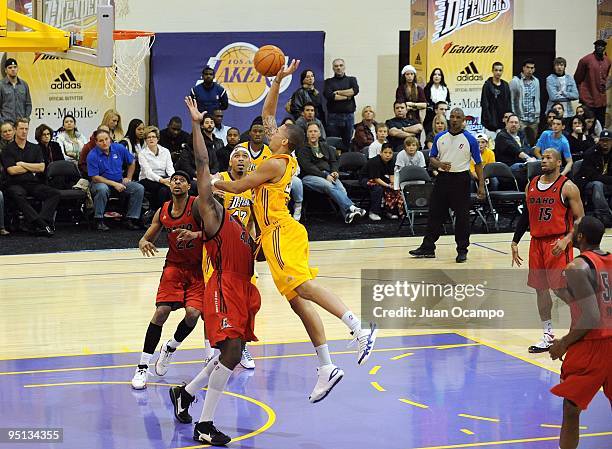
x: 208, y: 350
x: 172, y: 343
x: 351, y: 321
x: 216, y: 385
x: 323, y: 355
x: 145, y: 359
x: 201, y: 379
x: 547, y: 326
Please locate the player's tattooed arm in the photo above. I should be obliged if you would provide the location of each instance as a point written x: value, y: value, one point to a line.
x: 270, y: 127
x: 268, y: 112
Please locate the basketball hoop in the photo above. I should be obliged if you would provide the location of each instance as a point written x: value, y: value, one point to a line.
x: 130, y: 50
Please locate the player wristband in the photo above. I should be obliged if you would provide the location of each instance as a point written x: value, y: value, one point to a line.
x: 213, y: 181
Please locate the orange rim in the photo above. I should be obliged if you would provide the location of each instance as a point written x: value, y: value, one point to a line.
x: 126, y: 35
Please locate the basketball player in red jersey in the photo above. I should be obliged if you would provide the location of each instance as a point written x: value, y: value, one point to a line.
x: 181, y: 284
x: 588, y: 345
x: 230, y: 300
x: 553, y: 203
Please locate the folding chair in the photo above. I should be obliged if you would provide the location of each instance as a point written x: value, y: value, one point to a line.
x: 509, y: 200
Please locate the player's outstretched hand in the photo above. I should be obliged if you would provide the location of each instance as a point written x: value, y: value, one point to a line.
x: 185, y: 235
x: 192, y: 105
x: 147, y: 248
x: 288, y: 70
x: 559, y: 246
x: 557, y: 350
x: 516, y: 258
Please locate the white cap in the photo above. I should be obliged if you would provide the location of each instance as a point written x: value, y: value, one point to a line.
x: 482, y: 136
x: 238, y: 148
x: 408, y: 68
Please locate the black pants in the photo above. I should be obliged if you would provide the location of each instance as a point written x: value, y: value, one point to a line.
x: 47, y: 195
x: 159, y: 193
x: 600, y: 114
x: 451, y: 191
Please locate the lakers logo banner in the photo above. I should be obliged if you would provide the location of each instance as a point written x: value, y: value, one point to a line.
x: 230, y: 55
x: 464, y: 38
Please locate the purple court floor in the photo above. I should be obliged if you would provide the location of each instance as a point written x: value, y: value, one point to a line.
x: 428, y: 392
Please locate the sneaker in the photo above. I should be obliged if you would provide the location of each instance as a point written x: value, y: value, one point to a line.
x: 327, y: 378
x: 297, y: 211
x: 374, y: 217
x: 365, y: 339
x: 350, y: 217
x: 247, y: 360
x: 181, y: 400
x: 543, y: 345
x: 206, y: 432
x: 163, y: 362
x: 420, y: 252
x: 461, y: 258
x: 361, y: 212
x: 139, y: 381
x: 391, y: 216
x: 101, y: 226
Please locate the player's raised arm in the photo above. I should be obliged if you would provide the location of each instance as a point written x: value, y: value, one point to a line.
x: 209, y: 209
x: 268, y: 112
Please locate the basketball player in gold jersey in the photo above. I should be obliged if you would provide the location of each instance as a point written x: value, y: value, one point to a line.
x: 258, y: 150
x: 285, y: 243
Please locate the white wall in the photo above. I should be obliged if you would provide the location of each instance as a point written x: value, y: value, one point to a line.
x: 364, y: 33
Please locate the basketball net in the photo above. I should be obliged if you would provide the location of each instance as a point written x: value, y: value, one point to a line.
x: 123, y: 77
x: 122, y: 8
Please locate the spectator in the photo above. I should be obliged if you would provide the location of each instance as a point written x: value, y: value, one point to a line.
x: 105, y: 164
x: 15, y: 100
x: 3, y: 230
x: 592, y: 77
x: 525, y: 95
x: 381, y: 137
x: 287, y: 121
x: 174, y: 138
x: 436, y: 92
x: 306, y: 94
x: 410, y: 155
x: 7, y: 134
x: 378, y: 177
x: 134, y: 139
x: 51, y: 151
x: 220, y: 130
x: 546, y: 125
x: 340, y: 92
x: 256, y: 145
x: 87, y: 149
x: 319, y: 171
x: 561, y: 87
x: 69, y: 138
x: 401, y: 126
x: 579, y: 142
x: 495, y: 100
x: 223, y: 154
x: 554, y: 138
x: 208, y: 94
x: 308, y: 115
x: 25, y: 167
x: 488, y: 156
x: 439, y: 124
x: 441, y: 108
x: 512, y: 149
x: 410, y: 93
x: 156, y: 169
x: 365, y: 130
x: 186, y: 161
x: 112, y: 120
x: 593, y: 127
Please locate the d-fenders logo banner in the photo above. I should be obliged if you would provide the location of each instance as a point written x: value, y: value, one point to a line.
x: 454, y: 15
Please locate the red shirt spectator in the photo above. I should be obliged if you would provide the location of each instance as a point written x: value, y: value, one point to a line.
x: 592, y: 75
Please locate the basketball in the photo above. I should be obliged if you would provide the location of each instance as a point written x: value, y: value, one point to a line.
x: 268, y: 60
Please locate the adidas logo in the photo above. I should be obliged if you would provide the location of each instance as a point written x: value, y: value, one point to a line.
x: 417, y: 61
x: 66, y: 81
x: 470, y: 73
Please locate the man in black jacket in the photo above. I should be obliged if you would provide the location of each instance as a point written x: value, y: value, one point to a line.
x: 594, y: 179
x: 186, y: 161
x: 495, y: 100
x: 511, y: 148
x: 319, y: 172
x: 340, y: 92
x: 174, y: 138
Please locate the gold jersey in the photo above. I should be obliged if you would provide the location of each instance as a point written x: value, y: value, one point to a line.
x: 238, y: 204
x: 256, y: 161
x: 271, y: 198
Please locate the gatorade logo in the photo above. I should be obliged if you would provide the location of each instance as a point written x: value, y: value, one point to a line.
x: 234, y: 70
x: 467, y: 49
x: 66, y: 81
x: 457, y: 14
x: 469, y: 73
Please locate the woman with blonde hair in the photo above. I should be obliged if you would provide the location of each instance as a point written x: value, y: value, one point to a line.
x: 112, y: 119
x: 365, y: 130
x: 438, y: 125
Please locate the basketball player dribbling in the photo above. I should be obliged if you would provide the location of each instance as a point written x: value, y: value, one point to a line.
x: 553, y: 203
x: 588, y: 345
x: 285, y: 243
x: 181, y: 284
x: 231, y: 301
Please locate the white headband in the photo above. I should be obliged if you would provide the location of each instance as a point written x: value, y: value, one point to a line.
x: 239, y: 148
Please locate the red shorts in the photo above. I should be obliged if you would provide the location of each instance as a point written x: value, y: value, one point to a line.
x: 546, y: 270
x: 587, y: 367
x: 230, y: 308
x: 182, y: 286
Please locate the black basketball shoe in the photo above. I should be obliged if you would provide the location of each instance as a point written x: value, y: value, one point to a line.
x: 205, y: 432
x: 181, y: 400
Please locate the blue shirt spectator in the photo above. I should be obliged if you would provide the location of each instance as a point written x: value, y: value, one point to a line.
x: 559, y: 143
x: 209, y: 95
x: 111, y: 166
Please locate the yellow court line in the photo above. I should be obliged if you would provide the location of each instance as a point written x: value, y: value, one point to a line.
x: 466, y: 431
x: 497, y: 348
x: 189, y: 362
x: 480, y: 418
x: 269, y: 411
x: 408, y: 354
x: 190, y: 348
x: 557, y: 426
x: 377, y: 386
x: 416, y: 404
x: 374, y: 370
x: 500, y: 442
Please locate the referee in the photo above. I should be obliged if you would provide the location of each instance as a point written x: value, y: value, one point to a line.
x: 451, y: 154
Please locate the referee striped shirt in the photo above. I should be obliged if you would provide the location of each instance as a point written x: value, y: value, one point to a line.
x: 458, y: 149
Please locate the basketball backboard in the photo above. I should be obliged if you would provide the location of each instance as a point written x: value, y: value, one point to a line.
x: 90, y: 22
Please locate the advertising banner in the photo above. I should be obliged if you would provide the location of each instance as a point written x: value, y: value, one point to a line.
x: 177, y: 60
x: 418, y: 39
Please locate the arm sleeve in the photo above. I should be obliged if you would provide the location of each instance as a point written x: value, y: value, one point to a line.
x: 421, y: 158
x: 333, y: 161
x: 421, y: 95
x: 92, y: 165
x: 354, y: 85
x: 145, y: 169
x: 400, y: 94
x: 184, y: 162
x: 401, y: 159
x: 434, y: 149
x: 580, y: 73
x: 474, y: 148
x: 522, y: 225
x: 567, y: 154
x: 484, y: 107
x: 169, y: 166
x: 128, y: 158
x: 8, y: 160
x: 306, y: 166
x: 551, y: 88
x: 328, y: 91
x: 571, y: 90
x: 28, y: 102
x: 223, y: 99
